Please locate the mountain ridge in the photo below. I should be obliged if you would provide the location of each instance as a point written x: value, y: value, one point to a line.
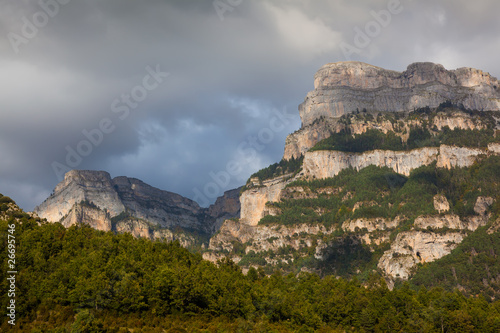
x: 121, y: 203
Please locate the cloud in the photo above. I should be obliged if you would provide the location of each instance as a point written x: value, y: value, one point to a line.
x: 227, y: 79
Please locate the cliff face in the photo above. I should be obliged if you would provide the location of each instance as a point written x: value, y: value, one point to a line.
x: 299, y: 142
x: 92, y: 197
x: 84, y: 214
x: 93, y: 186
x: 344, y: 87
x: 328, y: 163
x: 253, y: 200
x: 225, y: 207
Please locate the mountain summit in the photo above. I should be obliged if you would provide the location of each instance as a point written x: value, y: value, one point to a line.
x: 128, y: 204
x: 344, y: 87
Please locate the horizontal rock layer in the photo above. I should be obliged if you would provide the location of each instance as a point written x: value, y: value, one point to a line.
x: 344, y: 87
x: 328, y: 163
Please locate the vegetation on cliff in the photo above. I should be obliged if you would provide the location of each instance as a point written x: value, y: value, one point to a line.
x: 421, y: 127
x: 473, y: 267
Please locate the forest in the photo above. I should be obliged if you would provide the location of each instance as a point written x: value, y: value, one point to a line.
x: 83, y: 280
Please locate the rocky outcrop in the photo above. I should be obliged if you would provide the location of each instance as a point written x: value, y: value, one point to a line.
x: 225, y: 207
x: 253, y: 200
x: 264, y: 238
x: 426, y: 243
x: 299, y: 142
x: 328, y: 163
x: 483, y: 204
x: 79, y: 185
x: 441, y: 203
x: 92, y: 197
x: 370, y: 224
x: 85, y: 214
x: 413, y: 247
x: 143, y: 229
x: 344, y: 87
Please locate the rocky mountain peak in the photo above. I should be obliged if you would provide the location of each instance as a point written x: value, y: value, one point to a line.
x: 345, y: 87
x: 93, y: 197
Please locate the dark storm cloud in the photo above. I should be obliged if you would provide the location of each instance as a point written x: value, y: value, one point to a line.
x: 227, y: 79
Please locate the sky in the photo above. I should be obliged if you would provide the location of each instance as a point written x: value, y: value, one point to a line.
x: 194, y: 96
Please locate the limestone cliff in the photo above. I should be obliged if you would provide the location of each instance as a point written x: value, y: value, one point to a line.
x: 344, y: 87
x: 225, y: 207
x: 78, y: 185
x: 299, y: 142
x: 94, y: 198
x: 328, y: 163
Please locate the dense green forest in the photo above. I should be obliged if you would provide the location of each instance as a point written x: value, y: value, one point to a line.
x: 83, y: 280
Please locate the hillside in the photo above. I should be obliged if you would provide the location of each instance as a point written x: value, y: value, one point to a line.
x: 79, y: 279
x: 125, y: 204
x: 383, y: 191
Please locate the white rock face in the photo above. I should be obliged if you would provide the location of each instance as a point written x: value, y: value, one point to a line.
x: 80, y: 214
x: 253, y: 201
x: 344, y: 87
x: 77, y: 186
x: 328, y: 163
x: 159, y: 208
x: 441, y: 203
x: 412, y: 247
x: 482, y: 205
x: 450, y: 221
x: 371, y: 224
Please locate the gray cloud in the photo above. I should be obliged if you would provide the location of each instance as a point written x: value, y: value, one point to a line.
x: 227, y: 79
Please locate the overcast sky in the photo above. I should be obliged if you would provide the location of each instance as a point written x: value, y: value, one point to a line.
x: 194, y: 96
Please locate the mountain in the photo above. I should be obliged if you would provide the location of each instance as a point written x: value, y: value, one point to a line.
x: 344, y: 87
x: 129, y: 205
x: 389, y: 171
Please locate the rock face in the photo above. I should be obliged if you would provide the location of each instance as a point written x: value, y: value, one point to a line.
x: 299, y: 142
x: 412, y: 247
x: 441, y: 203
x: 253, y: 201
x: 225, y: 207
x: 92, y: 197
x: 85, y: 214
x: 344, y: 87
x: 328, y: 163
x: 93, y: 186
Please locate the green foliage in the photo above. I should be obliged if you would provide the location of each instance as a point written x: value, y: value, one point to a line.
x: 369, y: 140
x: 421, y: 134
x: 120, y: 217
x: 5, y: 199
x: 277, y: 169
x: 83, y: 280
x: 87, y: 203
